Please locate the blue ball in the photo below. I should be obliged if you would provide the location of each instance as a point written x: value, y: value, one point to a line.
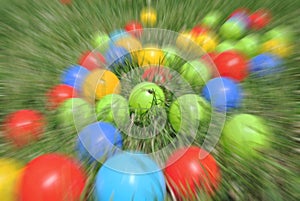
x: 130, y: 176
x: 117, y: 34
x: 116, y: 55
x: 98, y: 141
x: 223, y: 93
x: 265, y: 64
x: 74, y: 76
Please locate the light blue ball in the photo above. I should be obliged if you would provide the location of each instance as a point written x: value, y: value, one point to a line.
x: 98, y: 141
x: 116, y: 56
x: 117, y: 34
x: 223, y: 93
x: 130, y: 176
x: 266, y: 64
x: 74, y: 76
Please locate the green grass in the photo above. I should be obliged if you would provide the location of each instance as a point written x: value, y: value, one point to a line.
x: 40, y: 38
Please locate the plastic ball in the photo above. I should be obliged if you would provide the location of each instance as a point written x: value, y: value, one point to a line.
x: 150, y: 56
x: 91, y: 60
x: 196, y: 73
x: 239, y: 11
x: 245, y: 135
x: 134, y: 28
x: 10, y: 171
x: 130, y: 43
x: 75, y: 112
x: 281, y: 33
x: 98, y: 141
x: 190, y: 170
x: 100, y: 40
x: 171, y: 56
x: 265, y: 64
x: 74, y: 76
x: 260, y: 19
x: 249, y: 45
x: 116, y: 55
x: 23, y: 126
x: 113, y: 108
x: 233, y: 29
x: 232, y: 64
x: 148, y: 16
x: 159, y: 75
x: 186, y: 42
x: 208, y: 42
x: 66, y: 2
x: 144, y: 96
x: 130, y: 176
x: 223, y: 94
x: 187, y: 112
x: 212, y: 19
x: 198, y: 30
x: 277, y: 47
x: 52, y: 177
x: 58, y: 94
x: 225, y: 46
x: 243, y: 18
x: 100, y: 83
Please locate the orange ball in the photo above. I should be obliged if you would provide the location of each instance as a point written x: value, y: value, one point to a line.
x: 150, y: 56
x: 100, y: 83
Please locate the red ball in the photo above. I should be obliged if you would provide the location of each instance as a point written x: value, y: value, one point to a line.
x: 24, y: 126
x: 198, y: 29
x: 191, y: 169
x: 52, y: 177
x: 66, y: 1
x: 135, y: 28
x: 232, y: 64
x: 259, y: 19
x: 59, y: 94
x: 91, y: 60
x: 158, y: 75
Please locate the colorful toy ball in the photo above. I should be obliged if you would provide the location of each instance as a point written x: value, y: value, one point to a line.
x: 281, y: 33
x: 198, y: 30
x: 223, y: 93
x: 74, y: 76
x: 10, y: 171
x: 23, y: 126
x: 52, y: 177
x: 91, y: 60
x: 58, y: 94
x: 212, y: 19
x: 98, y: 141
x: 196, y: 73
x: 170, y: 57
x: 157, y: 74
x: 207, y: 41
x: 260, y: 19
x: 130, y: 43
x: 249, y: 45
x: 116, y: 55
x: 233, y: 29
x: 232, y: 64
x: 134, y: 28
x: 187, y: 112
x: 117, y: 34
x: 130, y: 176
x: 225, y: 46
x: 265, y: 64
x: 244, y: 11
x: 100, y: 40
x: 150, y: 56
x: 144, y: 96
x: 75, y: 113
x: 100, y: 83
x: 278, y: 47
x: 245, y: 135
x: 113, y: 108
x: 190, y: 170
x: 148, y: 16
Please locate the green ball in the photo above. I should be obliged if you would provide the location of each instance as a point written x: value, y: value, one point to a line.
x: 144, y: 96
x: 188, y: 112
x: 244, y: 135
x: 170, y: 56
x: 100, y: 40
x: 249, y: 45
x: 196, y: 73
x: 232, y: 30
x: 212, y: 19
x: 225, y: 45
x: 113, y: 108
x: 76, y: 113
x: 282, y: 33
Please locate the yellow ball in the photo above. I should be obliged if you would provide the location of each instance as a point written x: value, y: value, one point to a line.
x: 148, y: 16
x: 100, y: 83
x: 130, y: 43
x: 10, y: 171
x: 150, y: 56
x: 277, y: 47
x: 186, y: 42
x: 208, y: 42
